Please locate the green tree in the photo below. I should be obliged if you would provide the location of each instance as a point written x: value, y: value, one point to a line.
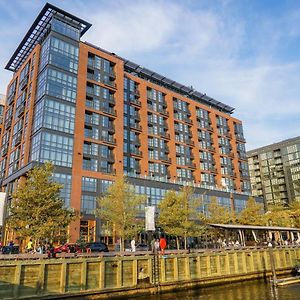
x: 294, y: 212
x: 119, y: 208
x: 178, y: 214
x: 37, y: 211
x: 217, y: 214
x: 278, y: 215
x: 252, y: 214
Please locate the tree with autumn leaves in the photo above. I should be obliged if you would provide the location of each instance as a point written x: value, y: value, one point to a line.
x: 178, y: 214
x: 119, y: 209
x: 37, y: 211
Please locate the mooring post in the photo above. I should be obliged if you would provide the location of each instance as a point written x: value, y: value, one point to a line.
x: 272, y: 261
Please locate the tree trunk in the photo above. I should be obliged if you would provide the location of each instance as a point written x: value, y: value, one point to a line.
x: 185, y: 241
x: 177, y: 243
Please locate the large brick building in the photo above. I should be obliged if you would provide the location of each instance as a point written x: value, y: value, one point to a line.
x: 98, y: 116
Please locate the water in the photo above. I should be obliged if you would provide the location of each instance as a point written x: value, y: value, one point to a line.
x: 255, y: 290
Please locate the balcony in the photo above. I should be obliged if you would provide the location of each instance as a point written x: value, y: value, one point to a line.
x: 136, y: 152
x: 8, y: 123
x: 108, y: 139
x: 166, y: 159
x: 136, y: 116
x: 24, y: 82
x: 111, y: 84
x: 240, y: 138
x: 163, y: 112
x: 110, y: 171
x: 211, y: 148
x: 4, y: 150
x: 21, y: 110
x: 112, y: 74
x: 109, y: 110
x: 17, y: 139
x: 137, y: 92
x: 135, y: 126
x: 11, y: 98
x: 165, y: 135
x: 191, y: 165
x: 189, y: 142
x: 135, y: 102
x: 228, y: 134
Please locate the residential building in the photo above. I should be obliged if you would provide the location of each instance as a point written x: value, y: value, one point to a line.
x: 2, y: 107
x: 275, y: 171
x: 98, y: 116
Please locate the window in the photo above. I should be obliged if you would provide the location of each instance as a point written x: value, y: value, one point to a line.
x: 65, y: 192
x: 52, y: 147
x: 65, y: 29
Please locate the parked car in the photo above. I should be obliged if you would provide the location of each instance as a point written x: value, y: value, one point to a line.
x: 142, y: 247
x: 68, y: 248
x: 96, y: 247
x: 10, y: 250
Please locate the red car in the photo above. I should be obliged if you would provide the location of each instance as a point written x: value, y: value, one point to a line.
x: 68, y: 248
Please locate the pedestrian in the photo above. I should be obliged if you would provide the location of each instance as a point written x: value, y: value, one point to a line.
x: 162, y: 244
x: 132, y: 244
x: 29, y: 246
x: 153, y: 245
x: 156, y: 246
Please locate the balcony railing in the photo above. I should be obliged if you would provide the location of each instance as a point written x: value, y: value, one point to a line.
x: 135, y: 102
x: 135, y: 126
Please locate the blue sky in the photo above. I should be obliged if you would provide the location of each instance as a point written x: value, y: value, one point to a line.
x: 243, y: 53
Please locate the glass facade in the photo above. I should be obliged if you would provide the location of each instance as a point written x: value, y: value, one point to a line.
x: 54, y: 110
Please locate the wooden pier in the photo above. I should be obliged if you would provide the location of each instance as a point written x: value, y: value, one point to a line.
x: 126, y: 275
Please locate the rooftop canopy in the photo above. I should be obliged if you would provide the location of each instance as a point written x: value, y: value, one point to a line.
x: 37, y: 31
x: 252, y: 227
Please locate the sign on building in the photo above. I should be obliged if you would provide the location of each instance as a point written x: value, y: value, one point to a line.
x: 150, y: 218
x: 2, y: 201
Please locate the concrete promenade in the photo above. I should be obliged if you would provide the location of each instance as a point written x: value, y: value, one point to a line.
x: 106, y: 276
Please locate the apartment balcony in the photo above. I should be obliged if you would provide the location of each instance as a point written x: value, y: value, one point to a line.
x: 191, y: 165
x: 228, y: 134
x: 21, y: 110
x: 112, y: 74
x: 136, y: 152
x: 137, y: 92
x: 8, y: 123
x: 111, y: 84
x: 165, y: 159
x: 136, y: 116
x: 211, y: 148
x: 189, y: 142
x: 165, y: 135
x: 135, y: 126
x: 108, y: 139
x: 24, y: 82
x: 17, y: 139
x: 109, y: 110
x: 135, y: 102
x: 164, y: 112
x: 11, y: 98
x: 110, y: 171
x: 4, y: 150
x: 240, y: 138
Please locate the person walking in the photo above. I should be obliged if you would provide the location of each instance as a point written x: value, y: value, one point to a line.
x: 153, y: 245
x: 156, y: 246
x: 29, y: 246
x: 162, y: 244
x: 132, y: 244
